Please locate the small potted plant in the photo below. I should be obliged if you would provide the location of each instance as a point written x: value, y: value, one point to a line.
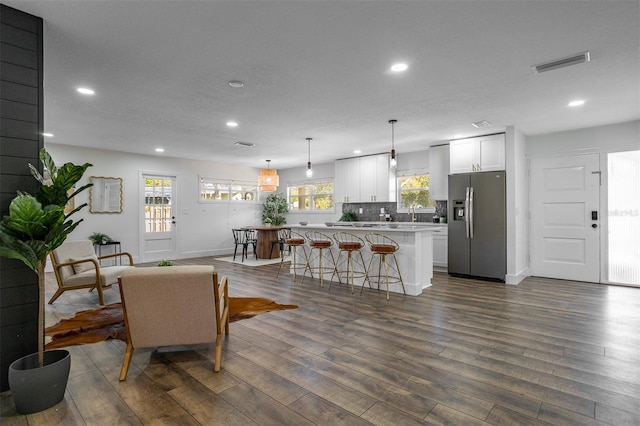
x: 165, y: 263
x: 100, y: 238
x: 267, y: 221
x: 36, y: 225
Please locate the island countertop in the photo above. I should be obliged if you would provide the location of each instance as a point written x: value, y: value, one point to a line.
x: 415, y: 255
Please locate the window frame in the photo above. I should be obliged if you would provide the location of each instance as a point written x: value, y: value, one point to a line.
x: 311, y: 183
x: 252, y: 187
x: 410, y: 173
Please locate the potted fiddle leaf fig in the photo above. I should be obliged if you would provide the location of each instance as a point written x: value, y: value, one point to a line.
x: 36, y: 225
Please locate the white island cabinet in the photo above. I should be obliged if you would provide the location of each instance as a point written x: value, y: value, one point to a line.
x: 415, y: 256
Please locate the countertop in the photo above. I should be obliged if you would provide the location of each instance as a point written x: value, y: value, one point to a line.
x: 377, y: 226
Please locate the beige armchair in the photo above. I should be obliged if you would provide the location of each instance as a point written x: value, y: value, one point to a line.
x: 173, y: 305
x: 76, y: 266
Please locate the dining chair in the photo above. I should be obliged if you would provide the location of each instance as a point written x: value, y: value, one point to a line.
x: 244, y: 238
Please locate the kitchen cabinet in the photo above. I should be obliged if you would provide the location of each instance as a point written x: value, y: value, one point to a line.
x: 439, y: 172
x: 479, y: 154
x: 364, y: 179
x: 440, y: 248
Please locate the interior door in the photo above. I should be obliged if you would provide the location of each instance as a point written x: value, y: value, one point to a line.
x: 565, y: 217
x: 158, y: 216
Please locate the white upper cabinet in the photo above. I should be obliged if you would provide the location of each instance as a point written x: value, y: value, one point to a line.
x: 480, y: 154
x: 439, y: 172
x: 364, y: 179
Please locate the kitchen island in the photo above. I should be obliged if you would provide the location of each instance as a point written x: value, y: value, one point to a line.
x: 415, y: 256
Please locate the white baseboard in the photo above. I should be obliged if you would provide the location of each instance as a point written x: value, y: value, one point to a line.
x: 517, y: 278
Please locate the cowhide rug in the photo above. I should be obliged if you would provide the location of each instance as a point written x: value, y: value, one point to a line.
x: 96, y: 325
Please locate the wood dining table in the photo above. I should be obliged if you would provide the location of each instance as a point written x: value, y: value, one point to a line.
x: 265, y: 236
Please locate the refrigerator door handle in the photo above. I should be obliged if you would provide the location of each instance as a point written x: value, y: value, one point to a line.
x: 471, y: 212
x: 466, y: 212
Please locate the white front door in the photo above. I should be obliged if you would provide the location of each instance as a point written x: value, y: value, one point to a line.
x: 158, y: 217
x: 565, y: 217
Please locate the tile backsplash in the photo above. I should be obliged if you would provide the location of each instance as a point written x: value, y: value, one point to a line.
x: 371, y: 212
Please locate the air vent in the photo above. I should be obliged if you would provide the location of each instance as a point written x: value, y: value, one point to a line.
x: 247, y: 144
x: 483, y: 123
x: 561, y: 63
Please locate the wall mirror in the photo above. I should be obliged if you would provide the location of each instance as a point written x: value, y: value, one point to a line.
x: 105, y: 196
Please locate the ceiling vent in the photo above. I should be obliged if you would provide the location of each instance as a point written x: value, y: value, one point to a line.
x: 483, y: 123
x: 576, y: 59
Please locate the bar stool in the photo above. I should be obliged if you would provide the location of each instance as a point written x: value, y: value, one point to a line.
x: 349, y: 243
x: 321, y: 243
x: 382, y: 247
x: 294, y: 240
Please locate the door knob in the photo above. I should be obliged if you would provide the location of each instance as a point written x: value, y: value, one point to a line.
x: 594, y: 225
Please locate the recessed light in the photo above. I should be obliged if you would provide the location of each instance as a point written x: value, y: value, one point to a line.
x: 236, y: 83
x: 85, y: 91
x: 399, y: 67
x: 159, y: 149
x: 576, y: 103
x: 357, y: 151
x: 232, y: 124
x: 49, y: 135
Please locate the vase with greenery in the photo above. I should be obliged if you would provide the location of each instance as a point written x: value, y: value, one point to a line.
x: 275, y: 207
x: 38, y: 224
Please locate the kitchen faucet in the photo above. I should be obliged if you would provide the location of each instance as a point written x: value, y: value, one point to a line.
x: 412, y: 212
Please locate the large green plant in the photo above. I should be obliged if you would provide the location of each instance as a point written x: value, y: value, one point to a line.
x: 38, y: 224
x: 274, y: 208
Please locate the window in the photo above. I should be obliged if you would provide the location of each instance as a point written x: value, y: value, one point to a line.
x: 414, y: 192
x: 309, y: 196
x: 212, y: 190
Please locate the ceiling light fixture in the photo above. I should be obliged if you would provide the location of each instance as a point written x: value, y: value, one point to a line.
x: 309, y: 170
x: 48, y: 135
x: 576, y: 103
x: 399, y: 67
x: 232, y: 124
x: 357, y: 151
x: 159, y: 149
x: 394, y: 162
x: 236, y: 83
x: 268, y: 179
x: 85, y: 91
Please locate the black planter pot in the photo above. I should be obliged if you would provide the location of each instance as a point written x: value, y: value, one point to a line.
x: 38, y: 388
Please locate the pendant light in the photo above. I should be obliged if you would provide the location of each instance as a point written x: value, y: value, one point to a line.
x: 268, y: 179
x: 394, y: 162
x: 309, y: 171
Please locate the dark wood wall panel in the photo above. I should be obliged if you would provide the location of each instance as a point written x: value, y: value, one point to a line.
x: 21, y: 126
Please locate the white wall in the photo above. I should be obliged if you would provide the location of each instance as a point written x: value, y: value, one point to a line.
x: 610, y: 138
x: 202, y: 229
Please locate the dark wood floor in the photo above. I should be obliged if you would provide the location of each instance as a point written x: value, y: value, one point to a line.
x: 465, y: 352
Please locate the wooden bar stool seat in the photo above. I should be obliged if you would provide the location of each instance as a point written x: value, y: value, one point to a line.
x: 383, y: 247
x: 293, y: 241
x: 320, y: 245
x: 355, y: 267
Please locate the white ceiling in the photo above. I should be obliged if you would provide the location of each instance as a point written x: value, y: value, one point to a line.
x: 319, y: 69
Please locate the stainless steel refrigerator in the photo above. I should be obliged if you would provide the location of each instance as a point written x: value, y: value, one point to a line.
x: 478, y: 225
